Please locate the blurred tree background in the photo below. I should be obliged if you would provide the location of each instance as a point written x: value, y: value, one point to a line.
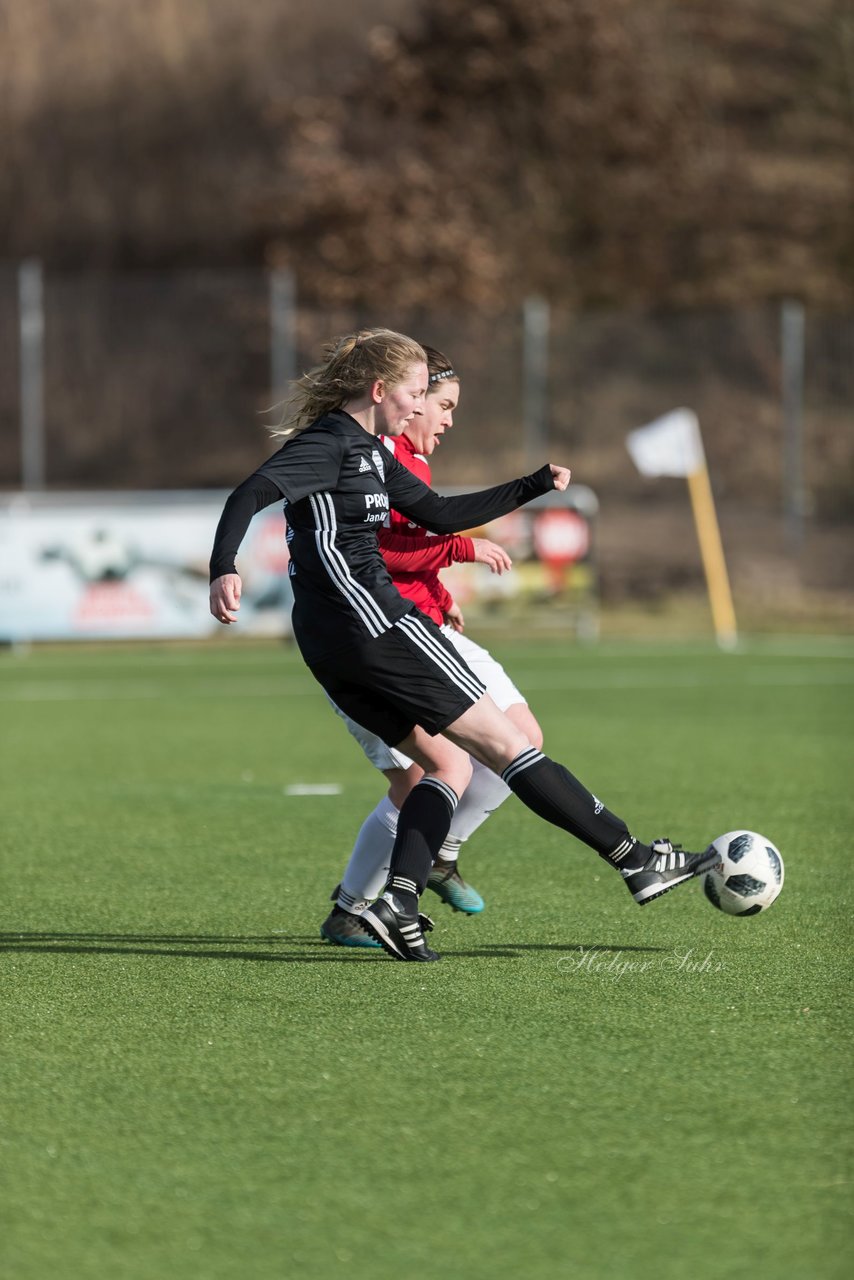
x: 664, y: 174
x: 597, y: 151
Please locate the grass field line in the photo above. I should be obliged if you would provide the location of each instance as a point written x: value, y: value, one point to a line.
x: 14, y: 659
x: 258, y: 687
x: 791, y: 677
x: 122, y: 690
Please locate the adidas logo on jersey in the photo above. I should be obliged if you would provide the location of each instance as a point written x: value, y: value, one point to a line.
x: 364, y: 465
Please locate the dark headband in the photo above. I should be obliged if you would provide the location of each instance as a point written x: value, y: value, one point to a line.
x: 440, y: 377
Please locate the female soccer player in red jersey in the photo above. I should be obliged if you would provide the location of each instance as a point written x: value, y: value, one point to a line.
x: 385, y: 664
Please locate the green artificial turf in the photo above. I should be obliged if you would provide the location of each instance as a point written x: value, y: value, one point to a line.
x: 194, y: 1086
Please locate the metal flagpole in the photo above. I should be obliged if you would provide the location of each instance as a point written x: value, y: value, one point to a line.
x: 31, y: 373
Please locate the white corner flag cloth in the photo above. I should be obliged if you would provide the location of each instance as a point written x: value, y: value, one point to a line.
x: 669, y: 446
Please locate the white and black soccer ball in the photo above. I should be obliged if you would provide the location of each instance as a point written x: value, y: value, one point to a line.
x: 749, y: 875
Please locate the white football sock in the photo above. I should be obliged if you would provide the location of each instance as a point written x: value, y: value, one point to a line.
x: 482, y: 796
x: 367, y: 871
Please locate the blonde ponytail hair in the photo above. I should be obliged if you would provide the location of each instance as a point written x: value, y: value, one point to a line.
x: 351, y: 365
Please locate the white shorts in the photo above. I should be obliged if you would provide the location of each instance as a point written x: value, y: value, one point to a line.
x: 499, y: 686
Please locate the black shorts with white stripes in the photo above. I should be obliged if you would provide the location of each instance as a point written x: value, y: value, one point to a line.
x: 409, y: 675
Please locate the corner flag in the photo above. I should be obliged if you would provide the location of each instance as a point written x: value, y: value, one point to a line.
x: 673, y: 446
x: 670, y: 446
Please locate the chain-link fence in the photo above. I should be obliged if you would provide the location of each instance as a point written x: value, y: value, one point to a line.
x: 161, y: 381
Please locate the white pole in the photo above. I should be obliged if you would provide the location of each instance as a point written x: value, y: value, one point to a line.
x: 792, y: 355
x: 283, y: 341
x: 31, y: 321
x: 536, y: 320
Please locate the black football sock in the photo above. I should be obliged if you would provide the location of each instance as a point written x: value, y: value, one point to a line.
x: 553, y: 793
x: 422, y: 825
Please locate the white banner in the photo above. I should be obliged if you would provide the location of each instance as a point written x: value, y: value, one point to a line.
x: 95, y: 566
x: 135, y: 566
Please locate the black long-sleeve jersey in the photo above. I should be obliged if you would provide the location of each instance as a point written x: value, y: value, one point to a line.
x: 339, y: 483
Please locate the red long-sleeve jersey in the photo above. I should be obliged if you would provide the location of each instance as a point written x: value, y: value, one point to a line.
x: 412, y: 554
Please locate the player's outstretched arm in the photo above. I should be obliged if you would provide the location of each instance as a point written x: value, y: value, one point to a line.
x: 412, y: 498
x: 406, y: 554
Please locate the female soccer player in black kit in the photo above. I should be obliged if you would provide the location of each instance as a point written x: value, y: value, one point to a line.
x: 385, y: 664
